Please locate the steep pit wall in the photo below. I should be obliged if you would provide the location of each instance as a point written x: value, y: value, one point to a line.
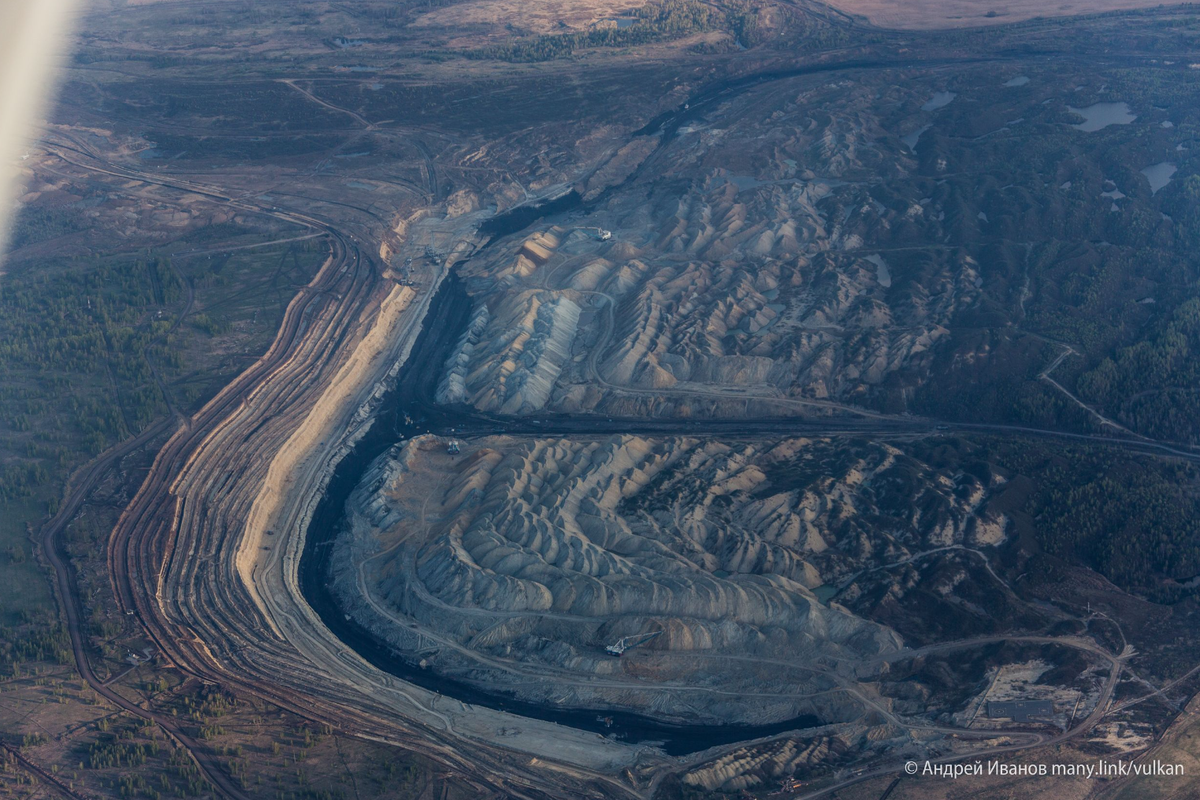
x: 302, y: 461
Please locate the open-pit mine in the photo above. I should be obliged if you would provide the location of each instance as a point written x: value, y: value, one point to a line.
x: 653, y: 401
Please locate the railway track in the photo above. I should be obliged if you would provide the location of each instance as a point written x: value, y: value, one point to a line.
x: 168, y: 558
x: 345, y: 273
x: 68, y: 597
x: 41, y: 774
x: 172, y: 555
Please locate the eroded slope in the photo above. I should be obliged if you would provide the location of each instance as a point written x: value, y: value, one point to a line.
x: 534, y: 555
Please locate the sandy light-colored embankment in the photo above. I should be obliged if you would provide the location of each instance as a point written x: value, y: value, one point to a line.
x: 267, y: 564
x: 301, y: 455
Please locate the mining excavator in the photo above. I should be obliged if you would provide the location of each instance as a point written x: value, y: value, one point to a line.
x: 626, y: 642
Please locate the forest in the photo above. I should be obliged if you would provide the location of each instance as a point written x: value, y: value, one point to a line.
x: 75, y: 374
x: 1135, y: 520
x: 1153, y: 384
x: 37, y: 224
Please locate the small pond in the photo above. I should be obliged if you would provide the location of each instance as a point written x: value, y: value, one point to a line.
x: 1100, y: 115
x: 882, y: 273
x: 912, y: 138
x: 939, y: 100
x: 1159, y: 175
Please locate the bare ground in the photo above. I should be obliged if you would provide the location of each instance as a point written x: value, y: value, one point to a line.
x: 934, y: 14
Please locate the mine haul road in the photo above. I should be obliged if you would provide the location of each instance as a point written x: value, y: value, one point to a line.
x: 1101, y: 709
x: 173, y: 564
x: 68, y: 597
x: 171, y: 560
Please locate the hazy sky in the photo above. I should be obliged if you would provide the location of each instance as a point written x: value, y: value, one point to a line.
x: 32, y: 37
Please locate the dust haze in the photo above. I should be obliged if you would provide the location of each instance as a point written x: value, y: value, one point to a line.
x: 32, y: 39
